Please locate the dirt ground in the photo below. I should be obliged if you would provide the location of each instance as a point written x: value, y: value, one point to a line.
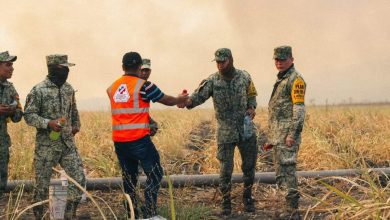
x: 269, y: 203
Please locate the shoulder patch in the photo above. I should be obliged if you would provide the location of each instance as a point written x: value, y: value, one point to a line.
x: 298, y: 91
x: 252, y: 90
x: 201, y: 85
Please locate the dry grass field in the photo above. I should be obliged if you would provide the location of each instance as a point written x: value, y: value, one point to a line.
x: 333, y: 138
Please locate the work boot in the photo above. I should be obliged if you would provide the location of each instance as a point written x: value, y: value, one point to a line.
x: 295, y: 215
x: 226, y: 206
x: 127, y: 207
x: 70, y: 210
x: 39, y: 213
x: 249, y: 205
x: 290, y: 214
x: 226, y: 211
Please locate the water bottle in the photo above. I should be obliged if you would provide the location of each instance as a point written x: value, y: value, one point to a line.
x: 54, y: 135
x: 14, y: 104
x: 248, y: 127
x: 63, y: 178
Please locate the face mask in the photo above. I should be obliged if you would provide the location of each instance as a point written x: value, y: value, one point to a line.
x: 58, y: 75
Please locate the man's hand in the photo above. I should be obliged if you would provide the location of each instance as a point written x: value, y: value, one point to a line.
x: 251, y: 112
x: 184, y: 100
x: 153, y: 131
x: 290, y: 141
x: 54, y: 125
x: 170, y: 100
x: 7, y: 110
x: 75, y: 131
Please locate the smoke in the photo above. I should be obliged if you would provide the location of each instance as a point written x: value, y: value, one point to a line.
x: 334, y: 42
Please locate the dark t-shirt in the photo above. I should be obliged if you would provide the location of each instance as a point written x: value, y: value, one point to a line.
x: 150, y: 92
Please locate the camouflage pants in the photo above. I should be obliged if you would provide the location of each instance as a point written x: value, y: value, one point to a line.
x: 48, y: 156
x: 4, y: 159
x: 286, y: 161
x: 248, y: 151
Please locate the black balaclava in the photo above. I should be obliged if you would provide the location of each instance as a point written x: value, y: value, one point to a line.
x: 58, y: 75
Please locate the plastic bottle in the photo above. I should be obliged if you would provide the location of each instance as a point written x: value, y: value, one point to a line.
x: 14, y: 104
x: 63, y: 178
x: 54, y: 135
x: 248, y: 127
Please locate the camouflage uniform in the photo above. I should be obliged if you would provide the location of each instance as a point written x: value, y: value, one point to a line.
x: 46, y: 102
x: 146, y: 64
x: 8, y: 95
x: 286, y: 117
x: 231, y: 100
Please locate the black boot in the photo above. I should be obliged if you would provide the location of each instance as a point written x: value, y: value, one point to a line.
x: 226, y: 203
x: 127, y: 207
x: 249, y: 204
x: 226, y: 207
x: 70, y: 210
x: 292, y: 212
x: 39, y: 212
x: 295, y: 215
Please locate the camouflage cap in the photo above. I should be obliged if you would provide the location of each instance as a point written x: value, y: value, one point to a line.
x: 146, y: 64
x: 5, y: 57
x: 222, y: 54
x: 58, y: 59
x: 282, y: 52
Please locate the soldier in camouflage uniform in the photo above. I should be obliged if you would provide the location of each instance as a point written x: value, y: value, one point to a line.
x: 145, y: 73
x: 234, y: 97
x: 10, y: 110
x: 48, y: 103
x: 286, y: 116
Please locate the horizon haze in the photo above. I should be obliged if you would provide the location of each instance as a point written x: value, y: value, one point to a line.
x: 340, y: 47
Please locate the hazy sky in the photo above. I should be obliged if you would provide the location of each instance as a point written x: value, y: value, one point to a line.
x: 341, y: 47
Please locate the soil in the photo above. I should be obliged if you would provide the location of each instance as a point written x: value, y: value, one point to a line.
x: 268, y: 201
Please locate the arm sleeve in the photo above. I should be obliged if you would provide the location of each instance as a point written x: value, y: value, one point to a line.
x: 297, y: 120
x: 19, y: 111
x: 202, y: 93
x: 32, y: 109
x: 75, y: 114
x: 150, y: 92
x: 298, y: 90
x: 251, y: 93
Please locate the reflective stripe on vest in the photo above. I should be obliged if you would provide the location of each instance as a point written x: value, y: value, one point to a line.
x: 130, y: 118
x: 135, y: 94
x: 129, y: 110
x: 129, y: 126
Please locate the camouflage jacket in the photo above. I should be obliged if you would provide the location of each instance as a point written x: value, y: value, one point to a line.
x: 8, y: 95
x: 47, y: 102
x: 231, y: 99
x: 286, y: 108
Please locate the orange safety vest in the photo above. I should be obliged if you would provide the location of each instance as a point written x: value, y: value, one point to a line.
x: 130, y: 114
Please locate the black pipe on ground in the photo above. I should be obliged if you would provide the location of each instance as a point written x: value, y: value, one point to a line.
x: 115, y: 183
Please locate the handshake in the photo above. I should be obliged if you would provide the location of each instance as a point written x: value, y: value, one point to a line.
x: 183, y: 99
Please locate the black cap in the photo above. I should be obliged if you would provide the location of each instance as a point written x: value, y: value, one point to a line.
x: 132, y: 59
